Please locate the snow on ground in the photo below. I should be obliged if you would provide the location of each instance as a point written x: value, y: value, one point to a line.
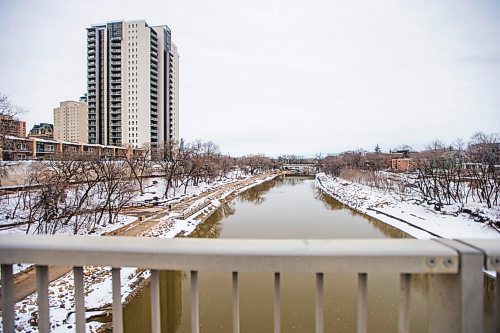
x: 97, y: 282
x: 170, y: 225
x: 409, y: 208
x: 98, y: 294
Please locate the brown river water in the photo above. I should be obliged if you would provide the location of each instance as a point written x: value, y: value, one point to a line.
x: 289, y: 208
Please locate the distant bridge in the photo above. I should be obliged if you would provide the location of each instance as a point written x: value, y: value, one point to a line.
x: 301, y: 169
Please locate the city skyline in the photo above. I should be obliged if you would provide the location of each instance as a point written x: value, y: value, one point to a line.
x: 285, y: 77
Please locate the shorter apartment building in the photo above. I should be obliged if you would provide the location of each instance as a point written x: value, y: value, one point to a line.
x: 34, y: 148
x: 70, y: 121
x: 11, y: 126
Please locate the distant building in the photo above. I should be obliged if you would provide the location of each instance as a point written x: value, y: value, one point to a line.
x: 402, y: 164
x: 70, y: 121
x: 42, y: 149
x: 11, y: 126
x: 42, y: 131
x: 132, y: 84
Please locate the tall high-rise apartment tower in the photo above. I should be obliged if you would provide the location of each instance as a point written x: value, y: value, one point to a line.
x: 132, y: 83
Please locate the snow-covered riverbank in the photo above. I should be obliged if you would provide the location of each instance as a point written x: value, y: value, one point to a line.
x: 407, y: 212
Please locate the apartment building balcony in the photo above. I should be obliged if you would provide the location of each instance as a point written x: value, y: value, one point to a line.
x: 91, y: 51
x: 114, y: 45
x: 116, y: 57
x: 453, y: 268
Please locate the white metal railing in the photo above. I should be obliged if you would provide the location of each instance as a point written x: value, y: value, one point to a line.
x: 455, y: 270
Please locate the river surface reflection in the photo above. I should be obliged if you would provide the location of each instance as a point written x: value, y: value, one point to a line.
x: 287, y: 207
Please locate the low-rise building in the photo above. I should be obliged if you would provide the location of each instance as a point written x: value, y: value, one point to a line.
x: 42, y: 149
x: 42, y: 131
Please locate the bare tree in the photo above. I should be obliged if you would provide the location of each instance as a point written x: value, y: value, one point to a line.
x: 140, y: 165
x: 8, y: 113
x: 114, y: 188
x: 168, y: 157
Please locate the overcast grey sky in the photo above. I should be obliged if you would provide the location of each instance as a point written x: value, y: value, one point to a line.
x: 283, y: 76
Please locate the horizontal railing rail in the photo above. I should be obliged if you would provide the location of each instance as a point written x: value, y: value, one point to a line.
x: 455, y: 270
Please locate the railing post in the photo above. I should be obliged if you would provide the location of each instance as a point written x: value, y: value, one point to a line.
x: 79, y: 299
x: 457, y: 299
x: 496, y: 323
x: 42, y: 283
x: 319, y: 302
x: 277, y: 303
x: 404, y: 303
x: 491, y: 250
x: 8, y: 314
x: 236, y: 304
x: 362, y: 302
x: 117, y: 301
x: 155, y: 302
x: 195, y: 306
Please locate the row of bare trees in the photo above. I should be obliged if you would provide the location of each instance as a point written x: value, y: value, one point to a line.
x: 192, y: 163
x: 73, y: 194
x: 76, y: 192
x: 459, y: 172
x: 442, y: 173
